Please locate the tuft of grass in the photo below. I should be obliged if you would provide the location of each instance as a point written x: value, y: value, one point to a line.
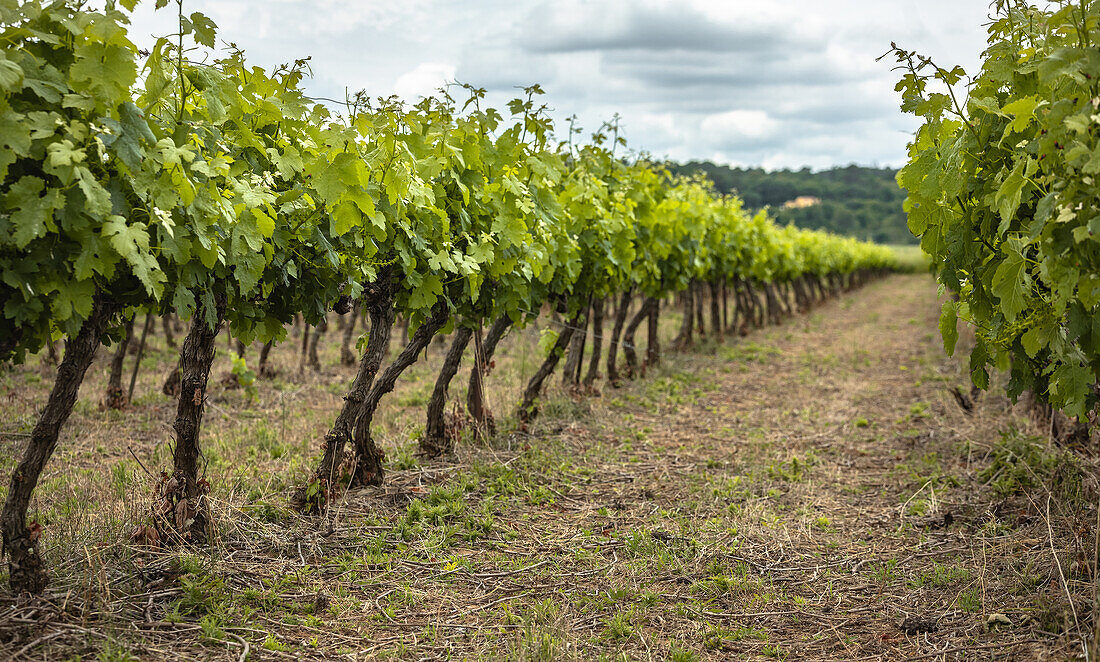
x: 619, y: 626
x: 1019, y: 463
x: 942, y: 574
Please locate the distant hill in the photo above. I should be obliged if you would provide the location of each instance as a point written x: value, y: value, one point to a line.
x: 852, y: 200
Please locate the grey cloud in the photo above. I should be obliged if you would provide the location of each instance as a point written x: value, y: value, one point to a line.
x: 650, y: 29
x: 742, y: 70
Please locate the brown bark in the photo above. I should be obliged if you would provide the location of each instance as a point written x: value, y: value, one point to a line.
x: 318, y: 332
x: 171, y: 386
x: 735, y: 312
x: 773, y: 304
x: 575, y: 354
x: 26, y: 570
x: 475, y: 394
x: 316, y: 495
x: 303, y: 357
x: 368, y: 456
x: 140, y: 354
x: 629, y: 347
x: 169, y: 336
x: 700, y: 321
x: 347, y: 355
x: 758, y: 310
x: 436, y: 441
x: 192, y: 514
x: 263, y: 368
x: 683, y: 339
x: 115, y: 396
x: 527, y: 408
x: 725, y: 308
x: 597, y: 342
x: 621, y: 312
x: 653, y: 344
x: 715, y: 310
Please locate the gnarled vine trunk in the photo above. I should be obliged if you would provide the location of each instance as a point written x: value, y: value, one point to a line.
x: 169, y: 336
x: 318, y: 333
x: 115, y: 396
x: 621, y: 312
x: 683, y: 339
x: 715, y: 310
x: 347, y: 355
x: 436, y: 441
x: 576, y: 350
x: 316, y: 495
x: 263, y: 368
x: 192, y: 513
x: 27, y: 573
x: 629, y: 346
x: 368, y: 456
x: 527, y: 408
x: 653, y: 344
x: 598, y: 307
x: 140, y: 354
x: 475, y: 394
x: 699, y: 294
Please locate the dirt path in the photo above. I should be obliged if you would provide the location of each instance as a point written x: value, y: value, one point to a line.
x: 809, y: 492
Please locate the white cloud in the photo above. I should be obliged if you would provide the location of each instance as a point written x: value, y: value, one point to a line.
x: 786, y: 83
x: 424, y: 80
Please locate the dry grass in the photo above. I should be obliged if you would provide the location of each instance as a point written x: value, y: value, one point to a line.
x: 811, y: 491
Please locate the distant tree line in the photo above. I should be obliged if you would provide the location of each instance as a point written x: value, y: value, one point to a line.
x: 861, y: 202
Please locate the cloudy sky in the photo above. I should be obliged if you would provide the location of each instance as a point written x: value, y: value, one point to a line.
x: 787, y: 83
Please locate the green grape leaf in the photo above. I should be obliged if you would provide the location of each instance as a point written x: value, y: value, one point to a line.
x: 204, y: 29
x: 345, y: 217
x: 131, y: 241
x: 1012, y: 282
x: 264, y: 223
x: 1023, y: 111
x: 1009, y: 195
x: 425, y: 294
x: 1069, y: 388
x: 33, y: 215
x: 73, y: 297
x: 949, y: 327
x: 107, y: 70
x: 11, y: 74
x: 135, y: 130
x: 1036, y: 338
x: 97, y: 198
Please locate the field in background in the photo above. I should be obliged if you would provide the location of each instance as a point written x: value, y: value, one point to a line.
x: 911, y: 259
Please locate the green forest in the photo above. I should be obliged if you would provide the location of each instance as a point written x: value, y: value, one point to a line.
x: 855, y: 200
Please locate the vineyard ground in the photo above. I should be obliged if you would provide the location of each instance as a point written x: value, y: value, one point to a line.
x: 811, y: 491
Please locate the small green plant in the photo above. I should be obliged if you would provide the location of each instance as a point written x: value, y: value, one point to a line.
x: 791, y: 471
x: 884, y: 573
x: 942, y: 574
x: 113, y: 652
x: 120, y: 479
x: 273, y: 644
x: 970, y: 601
x: 211, y: 625
x: 619, y: 626
x: 246, y: 378
x: 1020, y: 463
x: 678, y: 654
